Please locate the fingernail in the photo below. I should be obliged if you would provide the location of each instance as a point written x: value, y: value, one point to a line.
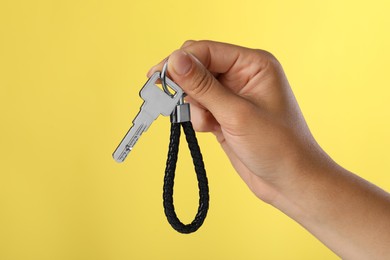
x: 181, y: 62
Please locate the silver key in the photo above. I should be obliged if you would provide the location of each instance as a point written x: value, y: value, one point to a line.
x: 156, y: 102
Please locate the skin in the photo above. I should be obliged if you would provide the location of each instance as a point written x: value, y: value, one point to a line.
x: 243, y: 97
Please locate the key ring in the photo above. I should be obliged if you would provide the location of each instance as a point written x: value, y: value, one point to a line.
x: 163, y: 76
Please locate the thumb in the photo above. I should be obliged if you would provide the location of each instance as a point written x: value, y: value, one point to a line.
x: 198, y: 83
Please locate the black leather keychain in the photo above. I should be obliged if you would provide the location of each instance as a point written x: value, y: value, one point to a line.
x: 181, y: 118
x: 158, y: 102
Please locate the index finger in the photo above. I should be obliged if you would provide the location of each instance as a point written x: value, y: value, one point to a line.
x: 238, y: 63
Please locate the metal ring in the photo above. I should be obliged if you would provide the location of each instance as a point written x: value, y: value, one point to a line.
x: 163, y: 76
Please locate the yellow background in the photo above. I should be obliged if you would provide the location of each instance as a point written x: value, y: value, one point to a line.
x: 70, y: 73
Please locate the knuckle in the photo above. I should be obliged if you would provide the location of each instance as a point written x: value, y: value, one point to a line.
x: 188, y: 43
x: 267, y: 58
x: 202, y: 44
x: 195, y: 44
x: 204, y: 41
x: 265, y: 54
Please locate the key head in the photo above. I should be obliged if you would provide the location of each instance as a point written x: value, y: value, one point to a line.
x: 156, y: 100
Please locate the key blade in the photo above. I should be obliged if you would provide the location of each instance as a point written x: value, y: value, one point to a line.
x: 128, y: 142
x: 140, y: 124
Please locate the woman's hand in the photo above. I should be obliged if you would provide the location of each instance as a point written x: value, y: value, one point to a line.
x: 243, y: 97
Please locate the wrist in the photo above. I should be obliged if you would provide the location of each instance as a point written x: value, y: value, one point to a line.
x: 305, y: 172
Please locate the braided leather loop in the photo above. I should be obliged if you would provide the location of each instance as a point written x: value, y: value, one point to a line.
x: 170, y: 176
